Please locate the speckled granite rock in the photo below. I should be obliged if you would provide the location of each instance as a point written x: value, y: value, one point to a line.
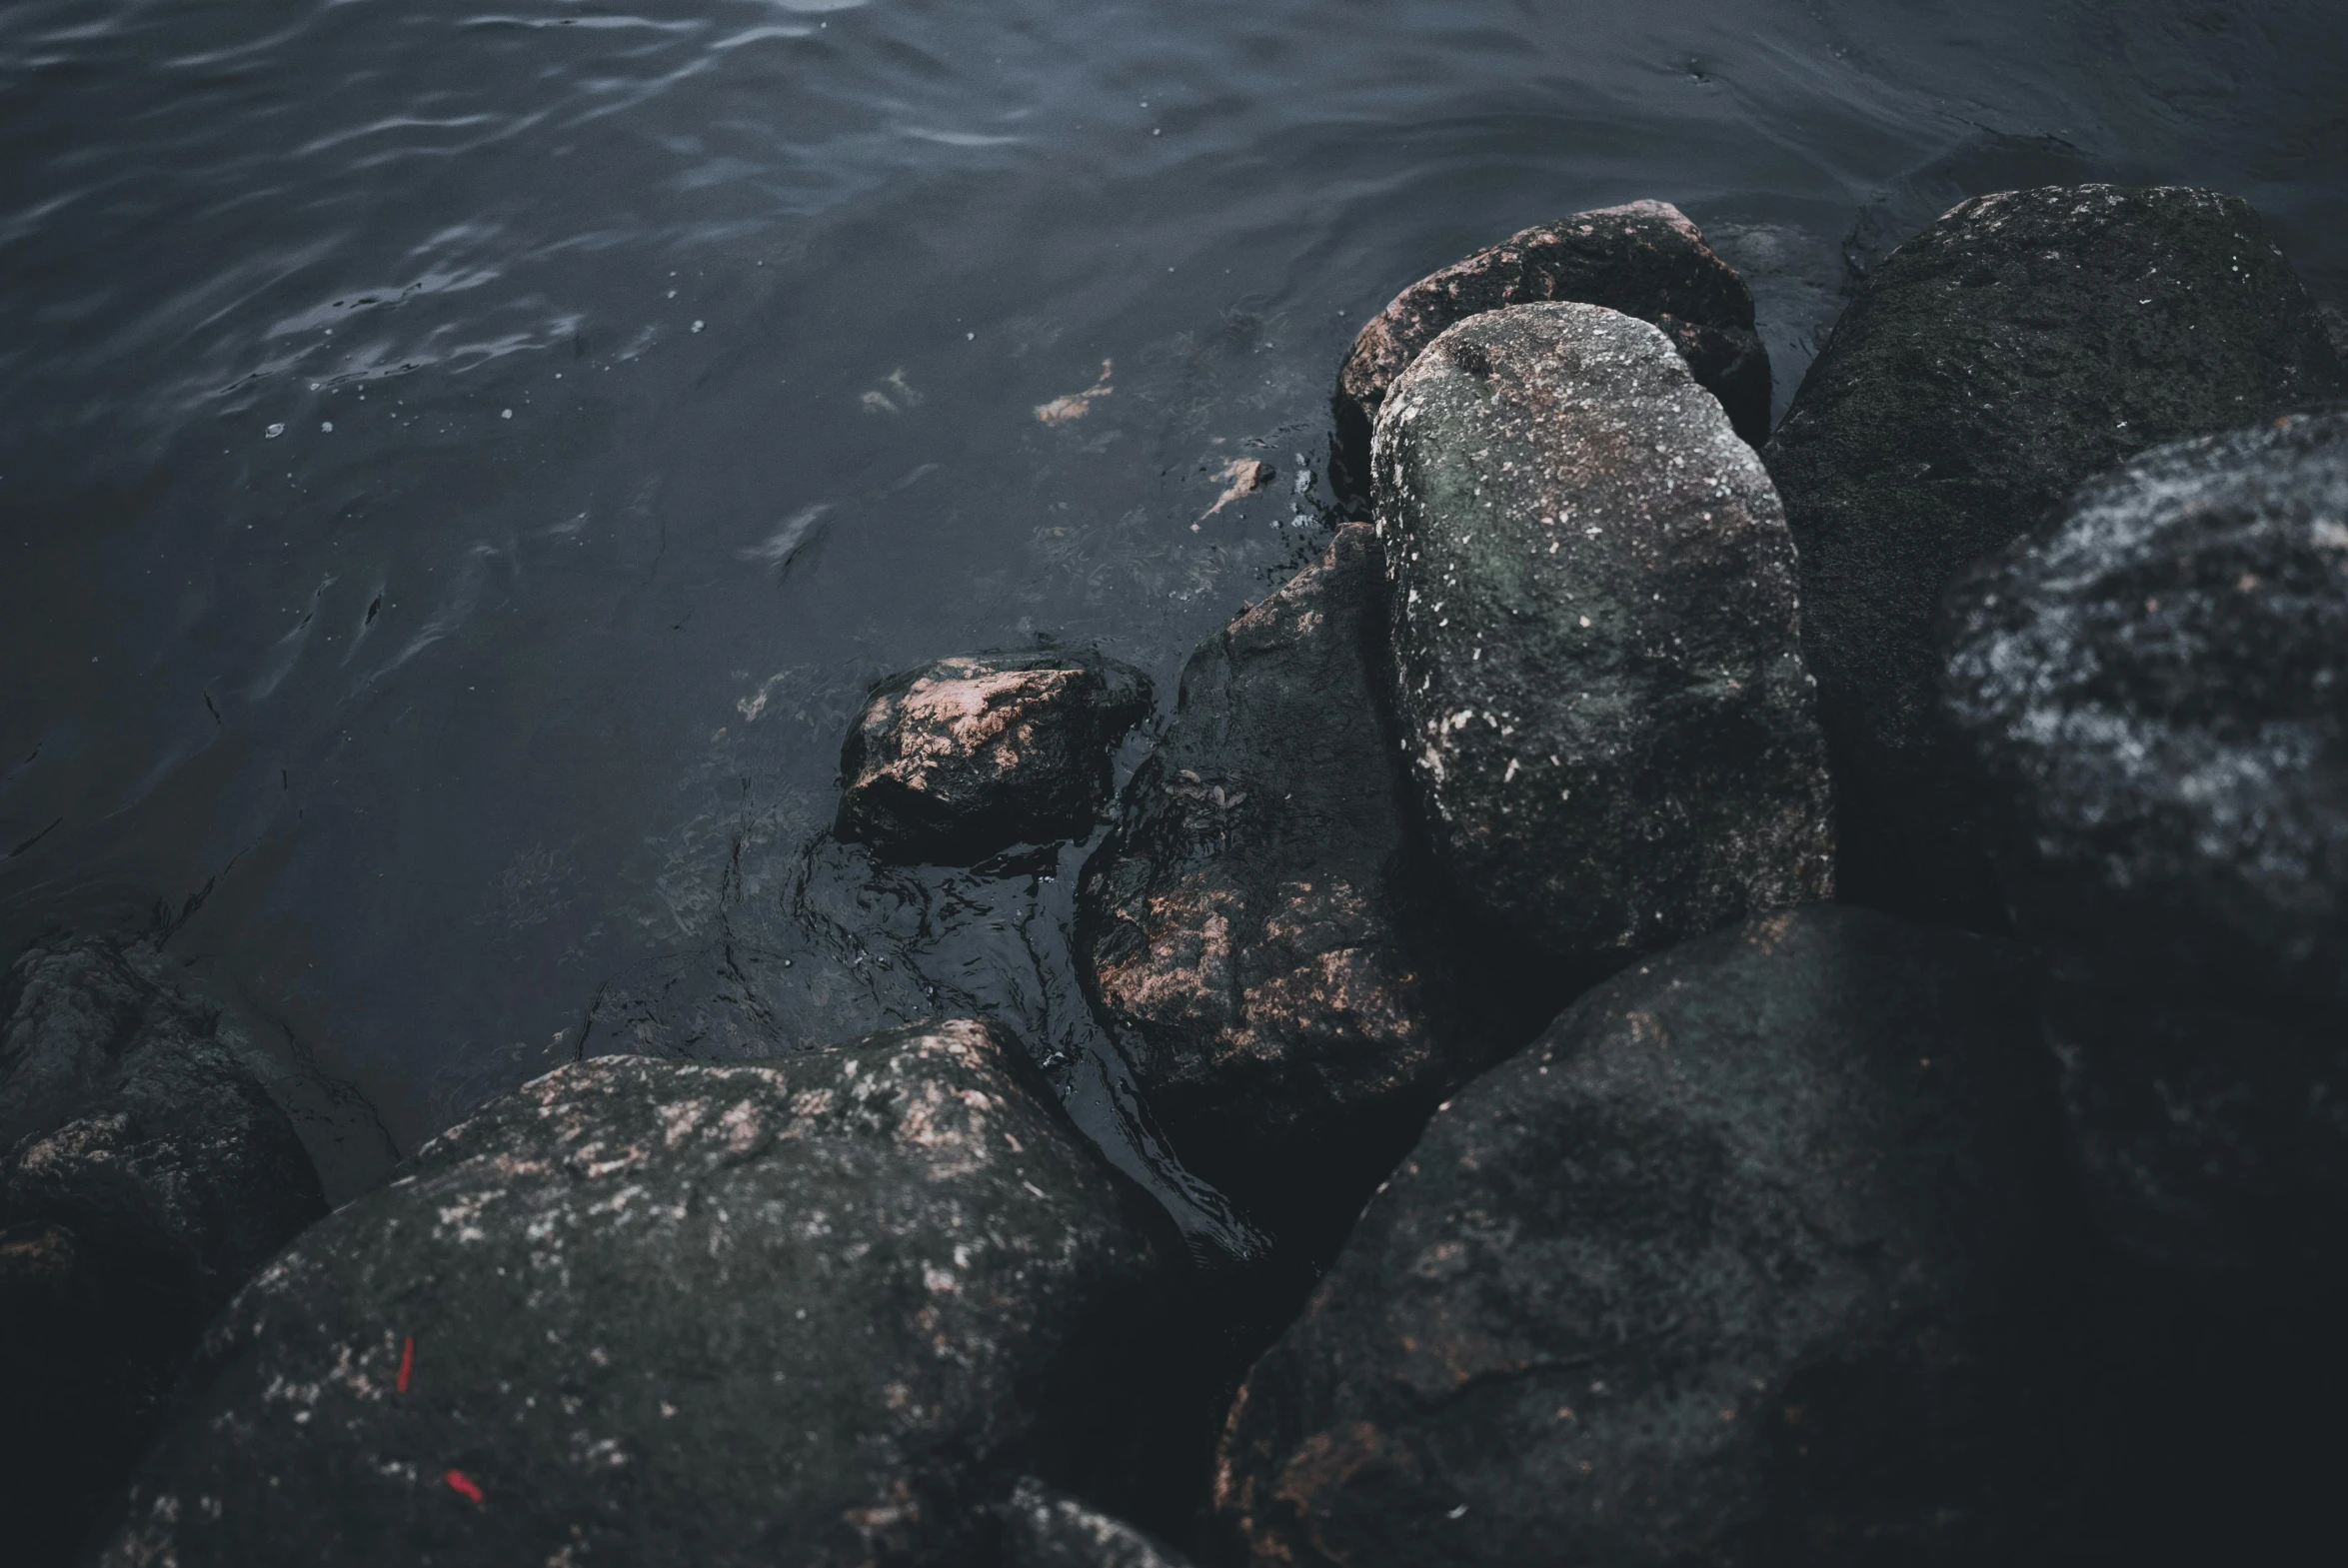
x: 821, y: 1311
x: 1043, y: 1527
x: 144, y: 1176
x: 2024, y: 344
x: 1645, y: 260
x: 1596, y: 661
x: 2157, y: 698
x: 1722, y: 1270
x: 1251, y: 927
x: 954, y: 760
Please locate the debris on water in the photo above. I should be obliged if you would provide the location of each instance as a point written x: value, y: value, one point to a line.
x: 1076, y: 404
x: 505, y: 413
x: 1243, y: 477
x: 464, y: 1486
x: 273, y: 432
x: 697, y: 326
x: 325, y: 425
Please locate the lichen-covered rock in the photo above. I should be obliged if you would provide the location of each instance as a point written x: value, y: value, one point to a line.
x: 1721, y: 1269
x: 2157, y: 698
x: 1251, y: 929
x: 954, y: 760
x: 818, y: 1311
x: 1596, y: 660
x: 2020, y: 346
x: 1645, y: 260
x: 144, y: 1176
x: 1043, y: 1527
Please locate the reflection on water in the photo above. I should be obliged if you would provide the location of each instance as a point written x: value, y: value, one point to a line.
x: 461, y: 464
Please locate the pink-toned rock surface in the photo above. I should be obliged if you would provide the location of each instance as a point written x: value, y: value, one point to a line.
x: 1645, y: 260
x: 957, y: 760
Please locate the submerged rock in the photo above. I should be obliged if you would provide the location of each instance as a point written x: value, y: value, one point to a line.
x: 1645, y: 260
x: 2156, y: 697
x: 818, y: 1311
x: 1250, y: 928
x: 954, y: 760
x: 2024, y: 344
x: 144, y: 1176
x: 1597, y: 659
x: 1043, y: 1527
x: 1721, y: 1269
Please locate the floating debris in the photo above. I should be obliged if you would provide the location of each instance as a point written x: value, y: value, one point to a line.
x: 1076, y: 404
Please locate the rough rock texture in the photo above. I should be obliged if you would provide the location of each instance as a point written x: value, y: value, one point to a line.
x: 1045, y: 1528
x: 2157, y: 697
x: 1598, y: 671
x: 1250, y: 928
x: 1716, y: 1272
x: 819, y: 1312
x: 2024, y: 344
x: 144, y: 1176
x: 959, y: 758
x: 1645, y: 260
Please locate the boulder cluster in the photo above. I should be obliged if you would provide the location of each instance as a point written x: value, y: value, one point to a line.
x: 1783, y: 997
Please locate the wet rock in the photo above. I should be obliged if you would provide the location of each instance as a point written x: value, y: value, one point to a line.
x: 1250, y: 928
x: 1043, y: 1527
x: 1645, y: 260
x: 1722, y: 1270
x: 144, y: 1176
x: 2157, y: 698
x: 2024, y: 344
x: 1596, y: 659
x: 822, y: 1312
x: 954, y: 760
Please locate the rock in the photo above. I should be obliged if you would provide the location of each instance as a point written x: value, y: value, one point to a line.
x: 144, y: 1176
x: 1251, y: 929
x: 954, y: 760
x: 2155, y: 697
x: 1045, y: 1528
x: 1596, y: 658
x: 821, y: 1311
x: 1721, y: 1269
x: 1645, y: 260
x: 2024, y: 344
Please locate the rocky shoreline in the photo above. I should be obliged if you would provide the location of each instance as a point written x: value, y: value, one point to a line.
x: 1779, y: 996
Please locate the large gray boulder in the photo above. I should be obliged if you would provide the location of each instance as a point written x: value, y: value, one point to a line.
x: 144, y: 1176
x: 1727, y: 1267
x: 2021, y: 345
x: 2155, y: 700
x: 821, y: 1311
x: 1596, y: 660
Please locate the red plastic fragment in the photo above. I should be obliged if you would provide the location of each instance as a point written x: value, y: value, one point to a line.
x: 407, y: 1361
x: 464, y: 1485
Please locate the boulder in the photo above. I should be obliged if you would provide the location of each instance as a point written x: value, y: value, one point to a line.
x: 823, y: 1310
x: 2024, y: 344
x: 1043, y: 1527
x: 966, y: 756
x: 1597, y: 663
x: 2154, y: 698
x: 1251, y: 929
x: 1645, y: 260
x: 144, y: 1176
x: 1726, y: 1267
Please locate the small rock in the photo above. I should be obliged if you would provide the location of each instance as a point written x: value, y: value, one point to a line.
x: 1645, y: 260
x: 1250, y: 928
x: 817, y: 1312
x: 2156, y: 697
x: 1045, y: 1528
x: 1596, y: 656
x: 144, y: 1176
x: 1718, y: 1270
x: 2024, y: 344
x: 954, y: 760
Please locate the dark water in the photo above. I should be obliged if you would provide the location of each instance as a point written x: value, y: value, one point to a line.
x: 461, y: 464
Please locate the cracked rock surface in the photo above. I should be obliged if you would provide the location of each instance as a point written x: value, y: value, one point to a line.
x: 1718, y: 1270
x: 818, y: 1311
x: 1596, y: 664
x: 2020, y: 346
x: 1645, y: 260
x: 2155, y: 697
x: 959, y: 758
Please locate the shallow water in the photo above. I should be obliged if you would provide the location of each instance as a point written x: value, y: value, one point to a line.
x: 460, y: 466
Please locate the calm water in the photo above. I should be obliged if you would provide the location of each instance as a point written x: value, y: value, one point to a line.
x: 460, y: 465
